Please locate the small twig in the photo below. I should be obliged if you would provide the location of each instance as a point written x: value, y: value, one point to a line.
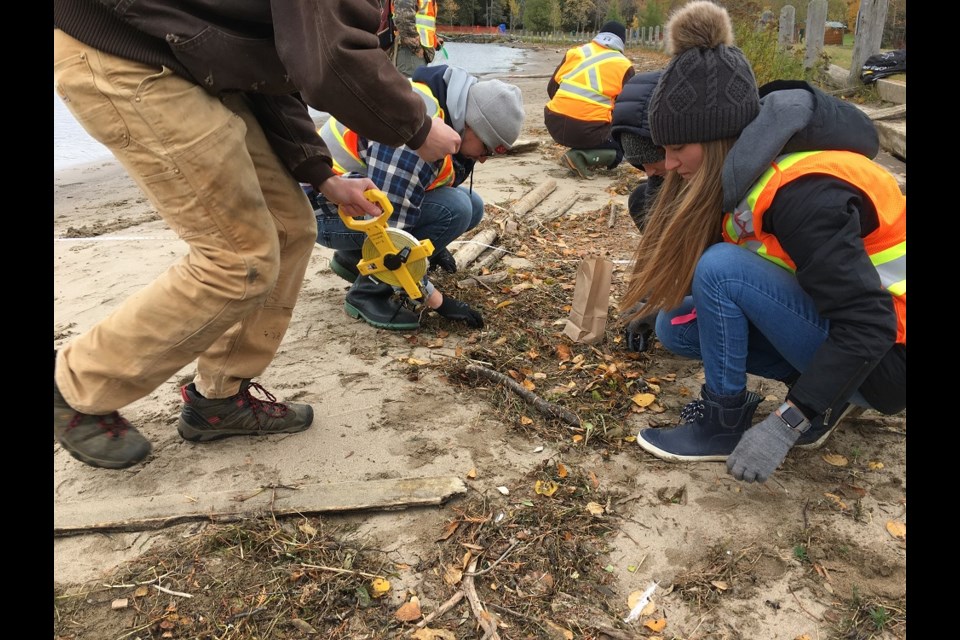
x: 612, y: 215
x: 442, y: 609
x: 496, y: 562
x: 799, y: 604
x: 547, y: 408
x: 245, y: 614
x: 339, y: 570
x: 172, y: 592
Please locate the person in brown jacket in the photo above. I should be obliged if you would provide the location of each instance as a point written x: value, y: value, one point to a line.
x: 208, y: 112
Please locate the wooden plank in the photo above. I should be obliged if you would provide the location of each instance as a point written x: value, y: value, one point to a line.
x: 138, y: 513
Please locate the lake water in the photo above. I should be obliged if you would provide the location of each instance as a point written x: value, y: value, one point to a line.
x: 72, y: 145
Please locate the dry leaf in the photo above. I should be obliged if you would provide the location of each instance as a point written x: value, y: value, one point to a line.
x: 545, y: 488
x: 656, y: 624
x: 119, y: 603
x: 452, y: 575
x: 836, y: 500
x: 563, y: 352
x: 141, y: 592
x: 472, y: 473
x: 897, y: 529
x: 835, y: 459
x: 577, y: 437
x: 433, y: 634
x: 504, y: 303
x: 643, y: 399
x: 303, y: 626
x: 875, y: 466
x: 525, y: 420
x: 594, y: 480
x: 504, y: 490
x: 308, y: 529
x: 719, y: 584
x: 529, y: 386
x: 410, y: 611
x: 802, y: 636
x: 556, y: 631
x: 449, y: 529
x: 379, y: 587
x: 595, y: 508
x: 561, y: 470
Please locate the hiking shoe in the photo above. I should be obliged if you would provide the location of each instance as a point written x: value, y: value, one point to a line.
x: 203, y: 419
x: 107, y: 441
x: 344, y: 264
x: 819, y: 431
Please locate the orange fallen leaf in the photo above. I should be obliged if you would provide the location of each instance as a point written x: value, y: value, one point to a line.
x: 410, y: 611
x: 452, y: 574
x: 875, y: 466
x: 380, y: 587
x: 835, y: 459
x: 525, y: 420
x: 563, y: 352
x: 529, y: 386
x: 577, y: 437
x: 643, y: 399
x: 561, y: 470
x: 433, y: 634
x: 595, y: 508
x: 504, y: 303
x: 836, y: 500
x: 656, y: 624
x: 449, y: 529
x: 472, y: 473
x: 897, y: 529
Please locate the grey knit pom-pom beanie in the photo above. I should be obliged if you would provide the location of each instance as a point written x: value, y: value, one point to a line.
x: 708, y: 90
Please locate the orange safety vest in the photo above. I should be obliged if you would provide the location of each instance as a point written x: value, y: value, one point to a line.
x: 344, y: 149
x: 427, y: 23
x: 886, y: 245
x: 590, y: 79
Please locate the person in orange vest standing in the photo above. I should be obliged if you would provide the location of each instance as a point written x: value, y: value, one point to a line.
x: 412, y: 41
x: 582, y: 92
x: 794, y: 254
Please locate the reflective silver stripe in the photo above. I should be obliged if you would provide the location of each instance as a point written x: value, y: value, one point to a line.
x: 332, y: 133
x: 589, y: 66
x: 893, y: 275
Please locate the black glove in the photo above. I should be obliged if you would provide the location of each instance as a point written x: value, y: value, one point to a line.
x: 637, y: 333
x: 443, y: 259
x: 456, y: 310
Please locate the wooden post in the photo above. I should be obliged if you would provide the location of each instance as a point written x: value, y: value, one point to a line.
x: 867, y: 37
x: 813, y: 37
x: 787, y: 20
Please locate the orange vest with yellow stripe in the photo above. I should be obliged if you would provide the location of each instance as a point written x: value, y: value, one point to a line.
x: 344, y: 149
x: 886, y: 245
x: 590, y: 79
x: 427, y: 23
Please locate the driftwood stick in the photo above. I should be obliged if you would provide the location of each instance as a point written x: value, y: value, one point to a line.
x: 547, y: 408
x: 899, y: 111
x: 562, y: 210
x: 488, y: 259
x: 535, y: 197
x: 612, y: 215
x: 472, y: 248
x: 442, y: 609
x: 487, y: 622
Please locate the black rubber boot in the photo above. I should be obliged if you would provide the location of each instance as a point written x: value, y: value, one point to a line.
x: 711, y: 430
x: 344, y: 264
x: 373, y: 301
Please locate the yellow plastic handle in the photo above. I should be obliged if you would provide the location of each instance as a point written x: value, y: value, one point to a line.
x: 377, y: 197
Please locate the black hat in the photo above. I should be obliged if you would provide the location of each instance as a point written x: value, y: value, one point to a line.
x: 616, y: 29
x: 630, y: 124
x: 708, y: 90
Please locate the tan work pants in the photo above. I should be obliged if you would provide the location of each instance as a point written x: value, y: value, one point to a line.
x: 209, y: 171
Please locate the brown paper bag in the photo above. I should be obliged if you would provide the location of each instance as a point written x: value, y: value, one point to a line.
x: 591, y: 301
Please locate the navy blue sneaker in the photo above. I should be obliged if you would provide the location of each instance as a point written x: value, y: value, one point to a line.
x: 819, y: 431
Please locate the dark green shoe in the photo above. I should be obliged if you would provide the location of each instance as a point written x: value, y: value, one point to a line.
x: 577, y: 161
x: 107, y: 441
x: 243, y: 414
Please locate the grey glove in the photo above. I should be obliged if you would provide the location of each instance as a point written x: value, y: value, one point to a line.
x: 456, y: 310
x: 761, y: 449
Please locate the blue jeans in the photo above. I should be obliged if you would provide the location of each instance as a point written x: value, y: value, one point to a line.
x: 751, y: 317
x: 446, y: 213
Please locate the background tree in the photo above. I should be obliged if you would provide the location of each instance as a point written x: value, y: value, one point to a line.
x: 653, y: 14
x: 447, y: 12
x: 614, y: 13
x: 536, y: 15
x: 578, y: 13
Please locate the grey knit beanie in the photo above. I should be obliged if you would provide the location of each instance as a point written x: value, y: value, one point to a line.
x: 708, y: 90
x: 495, y: 113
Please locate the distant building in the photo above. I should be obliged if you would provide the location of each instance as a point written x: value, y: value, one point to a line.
x: 833, y: 32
